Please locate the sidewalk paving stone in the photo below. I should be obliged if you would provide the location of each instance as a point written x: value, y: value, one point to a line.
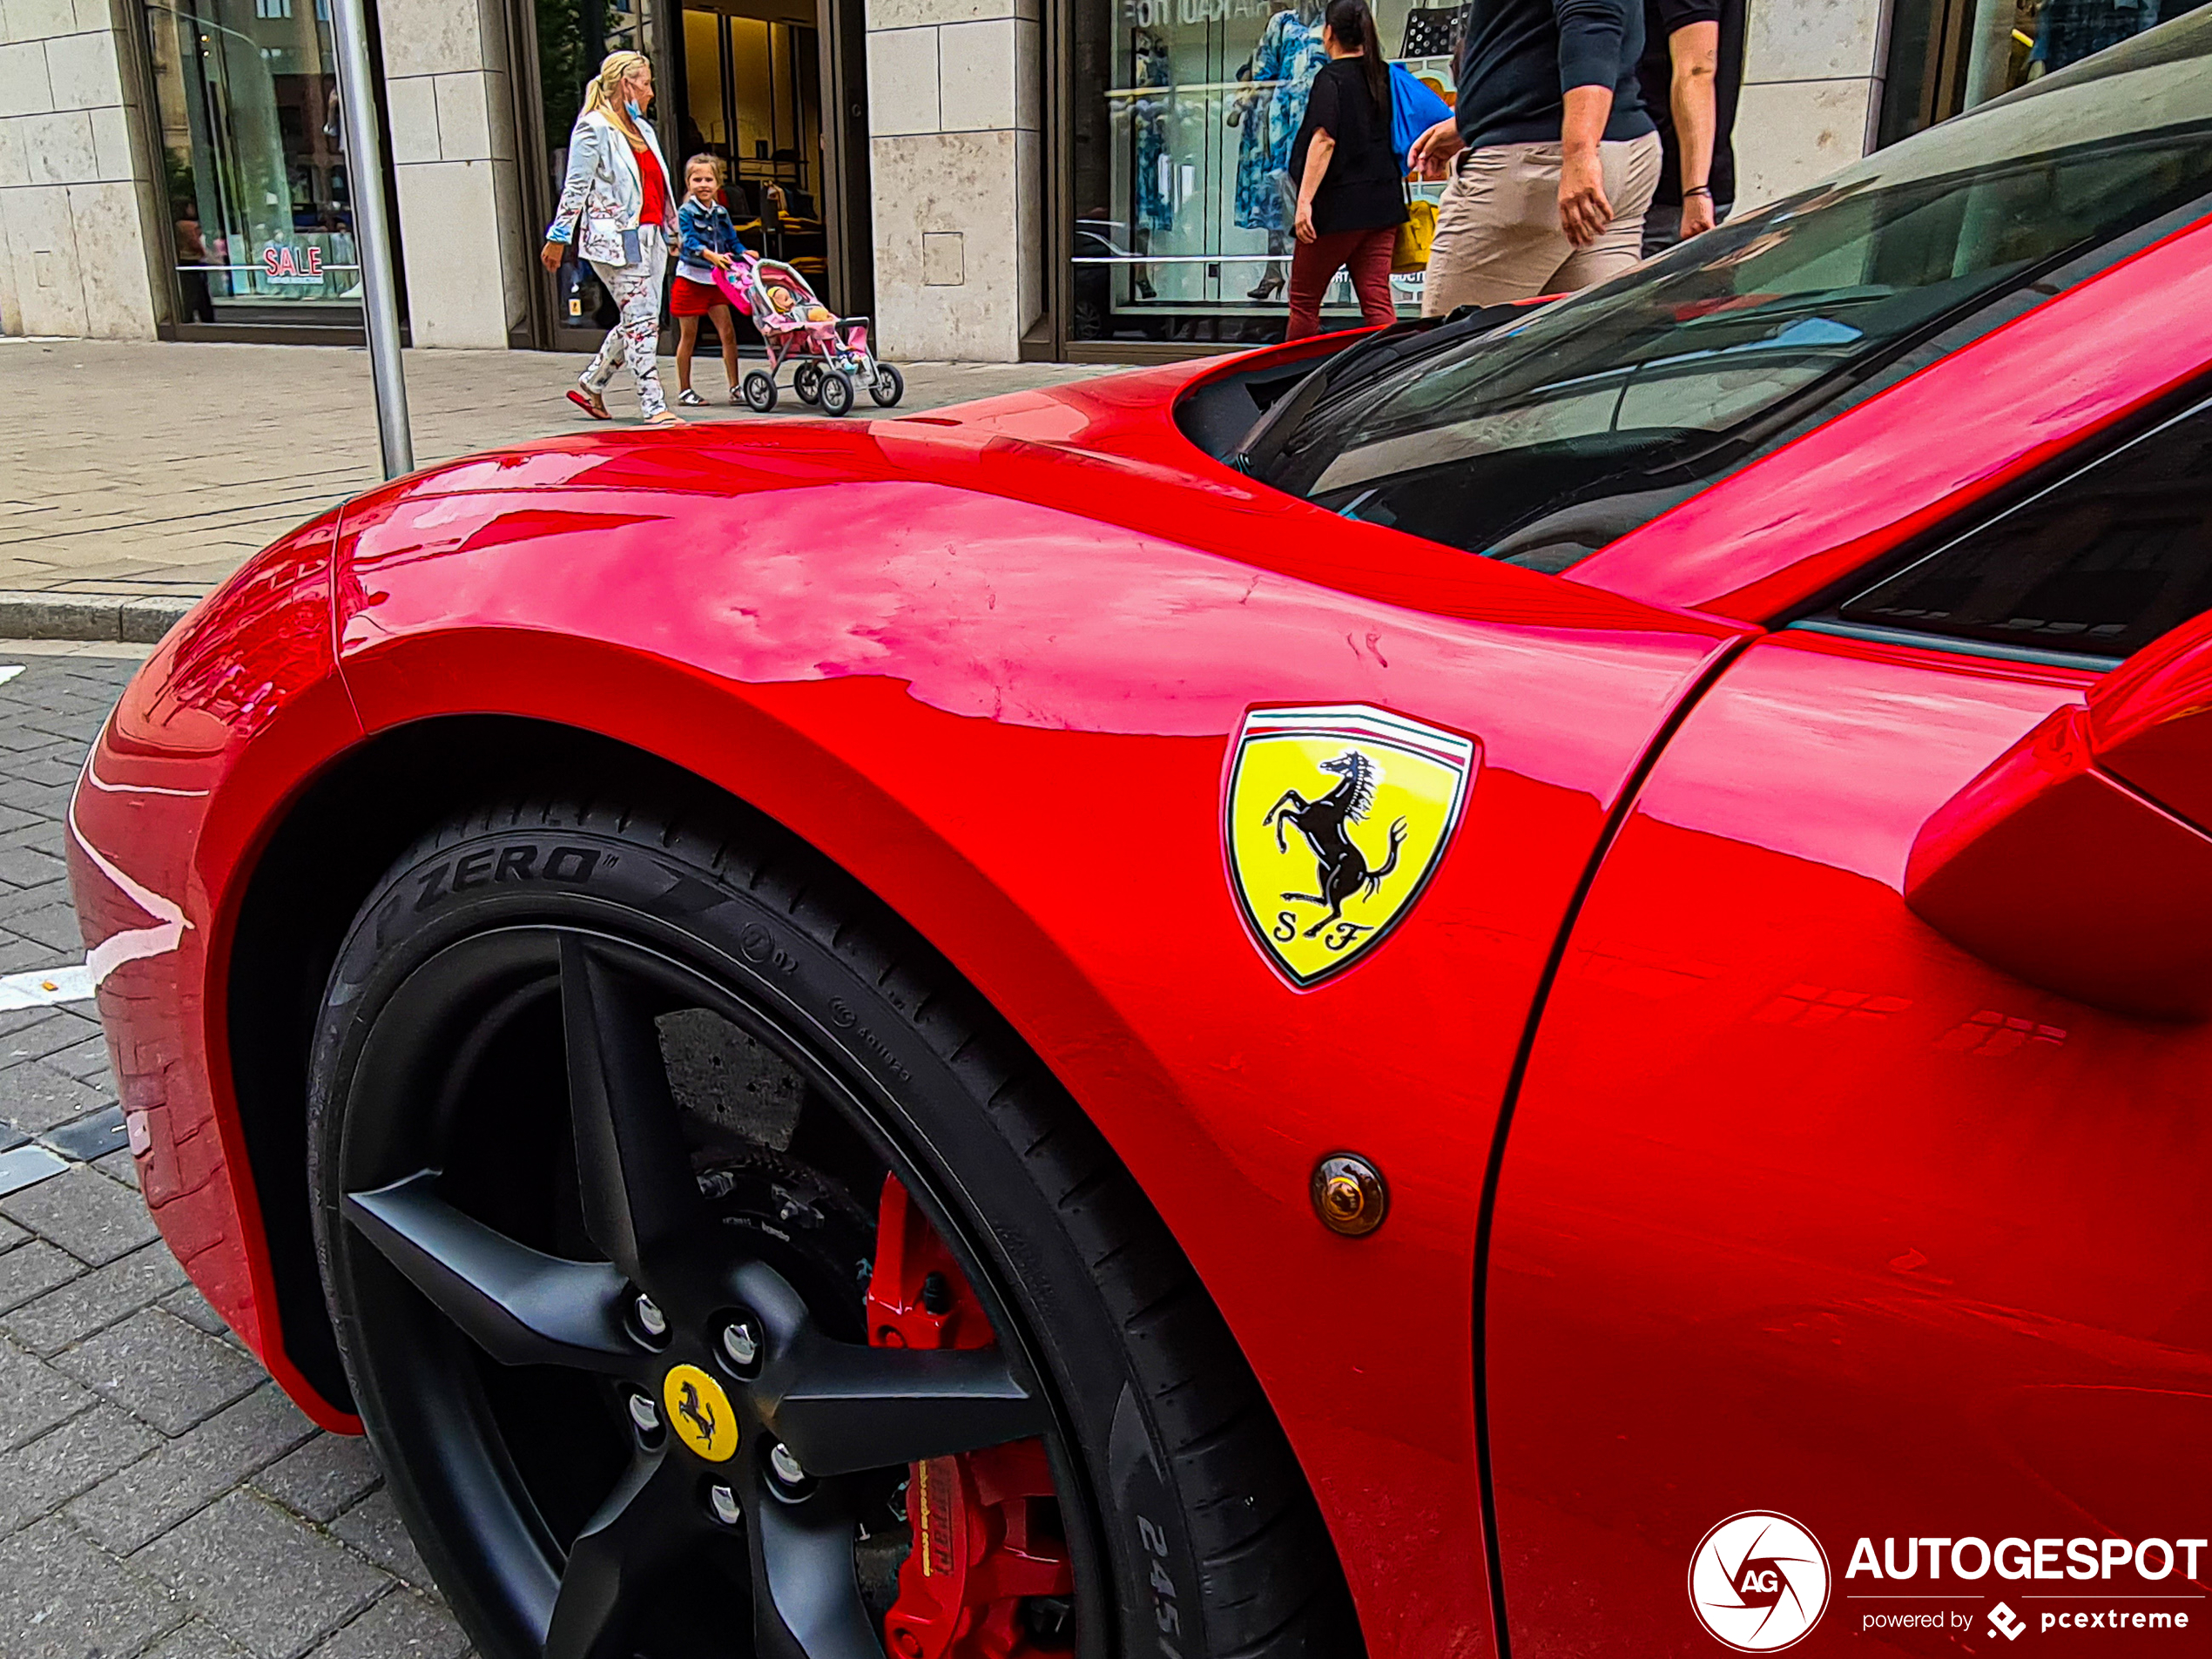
x: 33, y: 1270
x: 196, y: 1639
x: 35, y: 1097
x: 162, y: 1370
x: 33, y: 1397
x: 329, y: 1474
x: 93, y: 1218
x: 402, y: 1626
x: 262, y: 1577
x: 373, y: 1527
x: 89, y: 1139
x: 62, y: 1597
x: 191, y: 1307
x: 41, y: 1475
x: 183, y: 1476
x: 95, y: 1301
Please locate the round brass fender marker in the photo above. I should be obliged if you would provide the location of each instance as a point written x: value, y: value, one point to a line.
x: 1349, y: 1194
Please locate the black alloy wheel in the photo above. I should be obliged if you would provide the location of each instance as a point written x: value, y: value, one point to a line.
x: 605, y: 1103
x: 806, y: 381
x: 835, y: 393
x: 888, y: 386
x: 759, y: 389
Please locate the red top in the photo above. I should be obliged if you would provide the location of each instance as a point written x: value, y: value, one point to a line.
x: 654, y: 211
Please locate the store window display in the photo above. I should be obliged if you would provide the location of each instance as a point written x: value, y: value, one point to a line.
x: 1184, y: 113
x: 1946, y: 59
x: 254, y: 152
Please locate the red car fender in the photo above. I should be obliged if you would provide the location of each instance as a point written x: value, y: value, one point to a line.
x: 1011, y: 721
x: 235, y: 709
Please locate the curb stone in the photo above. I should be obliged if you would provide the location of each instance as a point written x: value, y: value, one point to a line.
x: 139, y: 620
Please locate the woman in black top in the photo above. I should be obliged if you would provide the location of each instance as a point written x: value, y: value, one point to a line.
x: 1351, y: 197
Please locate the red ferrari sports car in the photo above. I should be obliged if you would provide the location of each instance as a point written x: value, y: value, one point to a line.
x: 1535, y: 985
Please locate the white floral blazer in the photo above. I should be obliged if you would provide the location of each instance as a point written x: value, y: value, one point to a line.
x: 603, y: 192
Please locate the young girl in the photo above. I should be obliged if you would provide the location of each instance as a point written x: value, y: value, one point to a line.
x: 705, y: 241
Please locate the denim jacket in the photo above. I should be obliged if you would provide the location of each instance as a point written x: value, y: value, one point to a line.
x: 699, y: 231
x: 603, y: 192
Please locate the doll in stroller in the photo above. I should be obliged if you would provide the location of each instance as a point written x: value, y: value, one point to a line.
x: 835, y: 359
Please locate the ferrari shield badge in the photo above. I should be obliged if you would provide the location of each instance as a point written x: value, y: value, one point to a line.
x: 1336, y: 818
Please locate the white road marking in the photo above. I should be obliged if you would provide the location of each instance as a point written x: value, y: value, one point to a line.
x: 10, y: 672
x: 45, y: 986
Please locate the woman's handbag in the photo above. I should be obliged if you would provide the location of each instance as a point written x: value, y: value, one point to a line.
x: 1415, y: 236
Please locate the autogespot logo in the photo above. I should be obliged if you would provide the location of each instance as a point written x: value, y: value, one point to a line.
x: 1758, y: 1582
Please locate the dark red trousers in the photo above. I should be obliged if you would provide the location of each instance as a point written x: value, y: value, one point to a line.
x: 1314, y: 266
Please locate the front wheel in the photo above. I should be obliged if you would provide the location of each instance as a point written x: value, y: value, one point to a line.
x: 759, y: 391
x: 888, y: 386
x: 836, y: 392
x: 665, y: 1187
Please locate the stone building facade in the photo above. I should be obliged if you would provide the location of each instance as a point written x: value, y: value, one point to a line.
x: 988, y: 179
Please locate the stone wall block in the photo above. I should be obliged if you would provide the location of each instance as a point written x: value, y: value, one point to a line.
x: 465, y: 118
x: 1812, y: 40
x: 111, y: 159
x: 59, y: 147
x: 40, y: 19
x: 457, y: 284
x: 24, y: 89
x: 42, y: 249
x: 931, y: 187
x: 918, y: 14
x: 1804, y: 130
x: 1028, y: 225
x: 15, y: 165
x: 81, y: 70
x: 413, y: 103
x: 11, y: 307
x: 432, y: 37
x: 977, y: 76
x: 111, y: 256
x: 903, y: 94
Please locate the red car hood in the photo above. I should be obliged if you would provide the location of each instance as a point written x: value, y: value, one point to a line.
x: 1108, y: 450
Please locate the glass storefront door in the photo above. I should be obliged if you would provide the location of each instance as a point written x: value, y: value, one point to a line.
x: 568, y: 41
x: 753, y: 96
x: 1183, y: 115
x: 253, y: 148
x: 1947, y: 55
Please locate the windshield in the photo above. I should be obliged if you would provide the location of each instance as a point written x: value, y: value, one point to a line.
x: 1542, y: 443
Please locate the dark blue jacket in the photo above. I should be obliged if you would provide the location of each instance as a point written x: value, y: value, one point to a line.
x: 1521, y: 57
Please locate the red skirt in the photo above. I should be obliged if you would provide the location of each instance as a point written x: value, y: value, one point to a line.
x: 689, y: 299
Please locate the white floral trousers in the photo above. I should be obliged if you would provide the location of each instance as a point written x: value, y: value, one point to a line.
x: 636, y: 337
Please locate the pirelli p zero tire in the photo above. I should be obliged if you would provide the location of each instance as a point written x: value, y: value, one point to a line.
x: 644, y: 1143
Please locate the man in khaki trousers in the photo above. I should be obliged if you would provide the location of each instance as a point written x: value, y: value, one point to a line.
x: 1552, y: 159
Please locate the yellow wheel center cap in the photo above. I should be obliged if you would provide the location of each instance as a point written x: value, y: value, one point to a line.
x: 700, y: 1412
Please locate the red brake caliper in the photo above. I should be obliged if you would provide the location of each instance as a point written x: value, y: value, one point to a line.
x: 976, y: 1554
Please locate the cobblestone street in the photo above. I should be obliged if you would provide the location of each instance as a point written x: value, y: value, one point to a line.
x: 158, y: 1496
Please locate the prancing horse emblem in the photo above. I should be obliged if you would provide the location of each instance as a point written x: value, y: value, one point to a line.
x: 1345, y: 871
x: 699, y: 1412
x: 702, y: 1417
x: 1326, y: 772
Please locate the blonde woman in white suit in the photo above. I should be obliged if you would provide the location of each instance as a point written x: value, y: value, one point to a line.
x: 617, y: 205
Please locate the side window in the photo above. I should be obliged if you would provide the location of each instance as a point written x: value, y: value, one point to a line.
x: 2100, y: 563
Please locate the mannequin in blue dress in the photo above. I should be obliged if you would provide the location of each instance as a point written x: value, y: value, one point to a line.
x: 1290, y: 55
x: 1155, y: 207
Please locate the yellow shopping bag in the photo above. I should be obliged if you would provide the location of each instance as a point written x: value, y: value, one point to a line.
x: 1415, y: 235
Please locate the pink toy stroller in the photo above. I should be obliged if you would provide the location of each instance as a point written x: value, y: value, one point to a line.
x: 836, y: 360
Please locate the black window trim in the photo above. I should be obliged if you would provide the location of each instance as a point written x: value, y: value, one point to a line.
x: 1816, y: 616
